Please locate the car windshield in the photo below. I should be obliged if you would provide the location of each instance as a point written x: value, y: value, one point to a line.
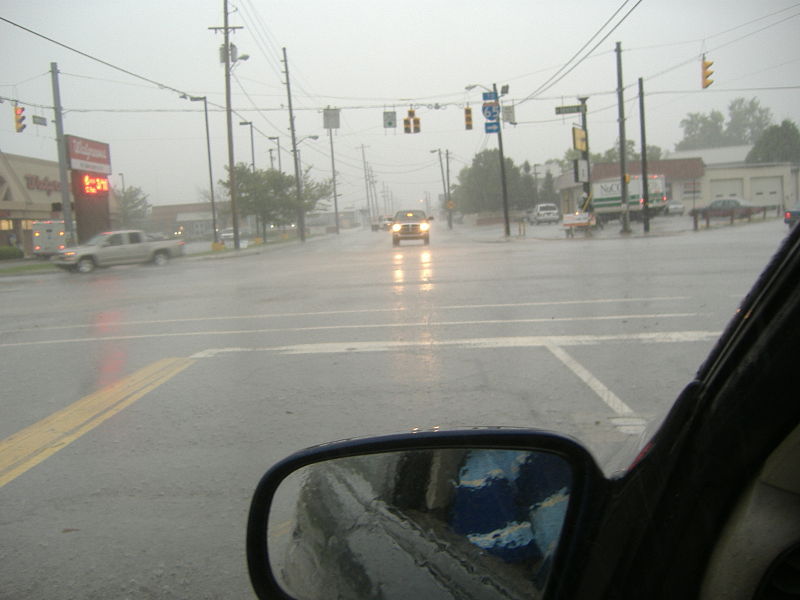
x: 146, y: 387
x: 97, y: 240
x: 410, y: 215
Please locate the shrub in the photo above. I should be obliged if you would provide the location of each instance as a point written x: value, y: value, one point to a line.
x: 10, y: 252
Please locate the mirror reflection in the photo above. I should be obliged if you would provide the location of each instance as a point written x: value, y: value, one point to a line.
x: 450, y: 523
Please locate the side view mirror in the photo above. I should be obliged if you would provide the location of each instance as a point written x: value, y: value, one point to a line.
x: 478, y: 514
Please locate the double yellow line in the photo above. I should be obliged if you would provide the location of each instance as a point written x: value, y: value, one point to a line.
x: 30, y: 446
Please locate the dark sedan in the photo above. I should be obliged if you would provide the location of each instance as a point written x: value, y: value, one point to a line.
x: 792, y: 215
x: 727, y: 207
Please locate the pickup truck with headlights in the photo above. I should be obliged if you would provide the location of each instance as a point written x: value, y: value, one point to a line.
x: 112, y: 248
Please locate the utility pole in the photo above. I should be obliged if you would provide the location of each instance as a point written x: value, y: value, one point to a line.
x: 587, y: 185
x: 271, y: 159
x: 366, y: 183
x: 61, y: 143
x: 333, y: 172
x: 226, y: 51
x: 449, y: 203
x: 301, y: 213
x: 502, y: 166
x: 623, y: 163
x: 645, y: 190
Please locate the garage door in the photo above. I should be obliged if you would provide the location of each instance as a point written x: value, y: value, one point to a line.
x: 727, y: 188
x: 767, y: 191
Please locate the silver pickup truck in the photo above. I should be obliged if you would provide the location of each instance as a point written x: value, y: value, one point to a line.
x: 117, y: 248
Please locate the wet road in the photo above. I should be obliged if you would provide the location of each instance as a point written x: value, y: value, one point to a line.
x: 141, y: 404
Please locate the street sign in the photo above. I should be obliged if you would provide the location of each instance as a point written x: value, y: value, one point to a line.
x: 491, y: 111
x: 37, y: 120
x: 566, y: 110
x: 581, y: 170
x: 489, y: 97
x: 491, y: 126
x: 389, y: 119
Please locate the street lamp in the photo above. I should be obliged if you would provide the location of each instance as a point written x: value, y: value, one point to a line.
x: 204, y: 99
x: 301, y: 211
x: 495, y: 99
x: 277, y: 140
x: 252, y: 146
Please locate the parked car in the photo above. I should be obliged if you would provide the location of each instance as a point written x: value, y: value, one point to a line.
x: 792, y: 215
x: 709, y: 509
x: 411, y: 225
x: 674, y: 207
x: 728, y: 207
x: 545, y: 213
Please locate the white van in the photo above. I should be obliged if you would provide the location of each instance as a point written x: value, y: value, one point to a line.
x: 49, y: 237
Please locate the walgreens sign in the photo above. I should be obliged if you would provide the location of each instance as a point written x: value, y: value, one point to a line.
x: 88, y: 155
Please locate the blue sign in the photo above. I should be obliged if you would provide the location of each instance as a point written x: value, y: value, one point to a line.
x: 491, y: 127
x: 491, y: 111
x: 489, y: 96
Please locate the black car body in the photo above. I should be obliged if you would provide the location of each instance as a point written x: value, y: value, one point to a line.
x: 709, y: 509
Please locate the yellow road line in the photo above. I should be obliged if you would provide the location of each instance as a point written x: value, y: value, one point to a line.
x: 30, y: 446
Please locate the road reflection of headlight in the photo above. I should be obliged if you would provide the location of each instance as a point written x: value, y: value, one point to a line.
x: 424, y: 226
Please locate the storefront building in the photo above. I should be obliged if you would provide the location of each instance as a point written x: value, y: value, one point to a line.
x: 30, y: 190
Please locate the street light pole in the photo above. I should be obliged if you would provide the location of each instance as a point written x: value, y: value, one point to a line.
x: 210, y: 172
x: 252, y: 146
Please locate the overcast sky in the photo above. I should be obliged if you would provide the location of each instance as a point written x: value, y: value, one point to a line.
x: 367, y: 56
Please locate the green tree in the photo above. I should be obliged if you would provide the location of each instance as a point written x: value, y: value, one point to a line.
x: 133, y: 207
x: 271, y: 196
x: 479, y: 187
x: 747, y: 120
x: 778, y: 143
x: 703, y: 131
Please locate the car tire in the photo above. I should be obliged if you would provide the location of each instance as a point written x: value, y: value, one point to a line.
x: 160, y: 259
x: 426, y: 240
x: 85, y: 265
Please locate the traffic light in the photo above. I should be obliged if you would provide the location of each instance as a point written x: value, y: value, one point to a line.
x: 707, y: 72
x: 19, y: 118
x: 416, y: 124
x: 467, y: 118
x: 407, y: 125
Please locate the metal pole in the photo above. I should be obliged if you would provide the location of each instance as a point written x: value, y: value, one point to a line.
x: 271, y: 160
x: 623, y: 166
x: 210, y: 172
x: 447, y: 193
x: 61, y: 143
x: 444, y: 182
x: 587, y: 185
x: 366, y: 183
x: 645, y: 187
x: 502, y: 166
x: 229, y: 121
x: 333, y: 171
x: 301, y: 216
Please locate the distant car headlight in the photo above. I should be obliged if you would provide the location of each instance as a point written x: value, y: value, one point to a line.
x: 424, y: 226
x: 396, y: 227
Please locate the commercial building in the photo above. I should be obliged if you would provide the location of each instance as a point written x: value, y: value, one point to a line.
x: 30, y: 190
